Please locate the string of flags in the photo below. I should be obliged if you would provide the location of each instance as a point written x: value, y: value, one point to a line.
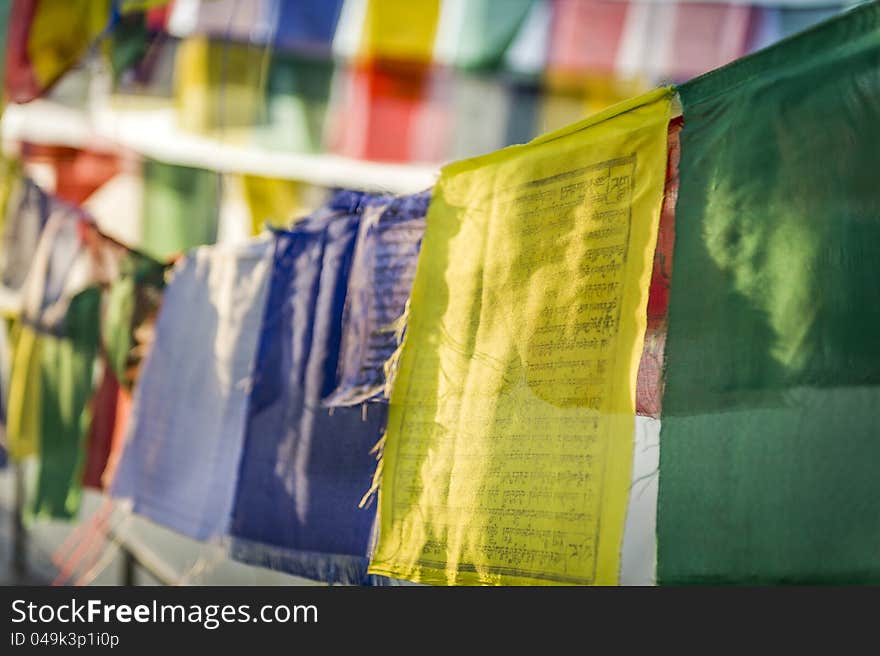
x: 385, y: 80
x: 465, y: 386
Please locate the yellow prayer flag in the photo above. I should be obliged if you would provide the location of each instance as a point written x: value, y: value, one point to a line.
x: 273, y: 202
x: 132, y: 6
x: 220, y: 87
x: 400, y: 29
x: 23, y: 404
x: 61, y: 32
x: 508, y: 453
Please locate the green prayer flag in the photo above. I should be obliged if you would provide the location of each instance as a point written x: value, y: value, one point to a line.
x: 298, y: 93
x: 180, y: 208
x: 132, y: 301
x: 487, y: 29
x: 769, y: 441
x: 5, y: 7
x: 128, y: 43
x: 66, y: 373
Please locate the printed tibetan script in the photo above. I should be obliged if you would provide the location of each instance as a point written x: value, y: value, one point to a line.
x: 509, y: 442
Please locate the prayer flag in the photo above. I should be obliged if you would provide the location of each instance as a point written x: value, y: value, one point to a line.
x: 187, y: 424
x: 386, y: 254
x: 586, y: 35
x: 306, y: 26
x: 509, y: 447
x: 484, y: 30
x: 45, y: 39
x: 304, y: 468
x: 769, y: 444
x: 180, y: 208
x: 400, y: 30
x: 66, y: 385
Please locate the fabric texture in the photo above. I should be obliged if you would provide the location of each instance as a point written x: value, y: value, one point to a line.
x: 131, y: 303
x: 71, y: 257
x: 27, y: 212
x: 586, y: 35
x: 220, y: 86
x: 186, y: 427
x: 117, y: 440
x: 649, y: 389
x: 769, y: 438
x: 706, y: 36
x: 46, y: 38
x: 508, y: 453
x: 486, y: 30
x: 5, y: 371
x: 180, y: 209
x: 482, y: 109
x: 380, y: 115
x: 305, y: 26
x: 129, y: 41
x: 23, y: 401
x: 386, y: 255
x: 66, y: 385
x: 61, y: 300
x: 522, y: 120
x: 233, y: 20
x: 77, y: 172
x: 5, y: 14
x: 297, y: 96
x: 272, y: 202
x: 305, y: 467
x: 129, y: 307
x: 400, y: 30
x: 100, y: 432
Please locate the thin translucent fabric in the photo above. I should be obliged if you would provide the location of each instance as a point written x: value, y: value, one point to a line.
x: 128, y: 312
x: 45, y: 39
x: 100, y: 433
x: 187, y: 424
x: 400, y: 30
x: 305, y: 26
x: 586, y: 35
x: 769, y: 446
x: 70, y: 257
x: 485, y: 30
x: 180, y: 208
x: 386, y: 254
x: 304, y: 467
x: 297, y: 93
x: 77, y: 172
x: 23, y: 400
x: 131, y: 304
x: 649, y: 390
x: 66, y: 385
x: 381, y: 116
x: 57, y: 349
x: 219, y: 87
x: 27, y: 212
x: 510, y: 434
x: 480, y: 117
